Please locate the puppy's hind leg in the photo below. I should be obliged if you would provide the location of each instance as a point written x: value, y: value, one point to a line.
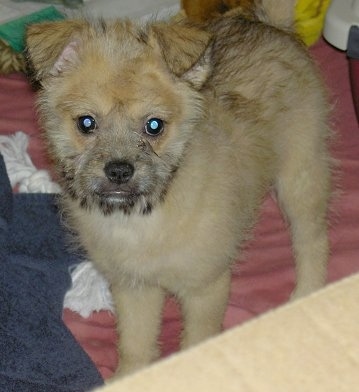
x: 303, y: 189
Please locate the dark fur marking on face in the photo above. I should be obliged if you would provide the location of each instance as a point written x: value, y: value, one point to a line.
x: 108, y: 208
x: 147, y: 209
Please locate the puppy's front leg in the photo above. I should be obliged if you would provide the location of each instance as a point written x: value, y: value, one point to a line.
x: 139, y: 319
x: 203, y: 310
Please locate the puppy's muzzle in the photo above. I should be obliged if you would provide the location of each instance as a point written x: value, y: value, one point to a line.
x: 119, y: 172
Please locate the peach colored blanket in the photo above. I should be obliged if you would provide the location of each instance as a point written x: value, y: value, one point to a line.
x: 266, y: 277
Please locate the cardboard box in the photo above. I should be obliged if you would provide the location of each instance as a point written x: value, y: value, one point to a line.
x: 309, y: 345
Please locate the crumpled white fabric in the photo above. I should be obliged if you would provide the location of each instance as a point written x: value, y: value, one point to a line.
x: 21, y: 170
x: 90, y: 291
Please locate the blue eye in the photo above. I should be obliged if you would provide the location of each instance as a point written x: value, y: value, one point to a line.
x: 154, y: 126
x: 86, y: 124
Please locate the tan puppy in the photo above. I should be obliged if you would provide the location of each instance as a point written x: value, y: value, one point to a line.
x: 167, y: 138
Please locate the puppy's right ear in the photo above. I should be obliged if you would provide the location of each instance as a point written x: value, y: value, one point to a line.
x: 52, y: 46
x: 185, y: 49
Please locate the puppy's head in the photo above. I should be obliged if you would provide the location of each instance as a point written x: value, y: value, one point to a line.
x: 119, y: 104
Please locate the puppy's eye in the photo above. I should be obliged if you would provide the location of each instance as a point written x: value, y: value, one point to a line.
x: 154, y: 126
x: 86, y: 124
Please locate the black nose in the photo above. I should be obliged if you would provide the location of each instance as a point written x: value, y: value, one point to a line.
x: 119, y: 172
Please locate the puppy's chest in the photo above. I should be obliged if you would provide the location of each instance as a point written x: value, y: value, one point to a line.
x: 140, y: 248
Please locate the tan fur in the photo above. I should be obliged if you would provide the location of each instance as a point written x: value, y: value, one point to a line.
x: 245, y: 112
x: 204, y: 10
x: 277, y: 12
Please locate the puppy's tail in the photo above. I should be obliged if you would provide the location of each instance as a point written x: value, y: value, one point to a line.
x: 279, y: 13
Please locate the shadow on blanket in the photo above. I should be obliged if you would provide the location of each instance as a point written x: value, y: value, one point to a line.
x: 37, y: 352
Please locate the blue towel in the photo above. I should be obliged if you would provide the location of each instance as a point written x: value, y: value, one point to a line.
x: 37, y: 351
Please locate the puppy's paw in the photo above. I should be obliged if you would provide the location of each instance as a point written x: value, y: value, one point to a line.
x: 300, y: 292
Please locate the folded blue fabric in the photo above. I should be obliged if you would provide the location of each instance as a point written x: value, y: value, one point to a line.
x: 37, y: 351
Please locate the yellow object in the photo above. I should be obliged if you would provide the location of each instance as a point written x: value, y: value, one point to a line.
x: 309, y: 19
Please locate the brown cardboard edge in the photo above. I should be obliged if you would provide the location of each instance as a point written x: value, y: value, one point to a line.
x: 308, y: 345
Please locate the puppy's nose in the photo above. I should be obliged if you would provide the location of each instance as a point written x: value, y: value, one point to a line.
x: 119, y: 172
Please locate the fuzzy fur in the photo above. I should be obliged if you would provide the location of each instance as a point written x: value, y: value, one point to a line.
x: 244, y: 111
x: 204, y: 10
x: 275, y: 12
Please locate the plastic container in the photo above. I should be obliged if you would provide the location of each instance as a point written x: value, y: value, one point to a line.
x: 341, y: 29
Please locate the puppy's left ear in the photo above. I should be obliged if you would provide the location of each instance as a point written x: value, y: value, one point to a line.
x: 186, y: 50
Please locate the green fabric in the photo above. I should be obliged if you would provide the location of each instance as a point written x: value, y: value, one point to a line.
x: 13, y: 32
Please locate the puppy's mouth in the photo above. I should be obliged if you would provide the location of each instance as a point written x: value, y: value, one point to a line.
x: 127, y: 198
x: 116, y: 193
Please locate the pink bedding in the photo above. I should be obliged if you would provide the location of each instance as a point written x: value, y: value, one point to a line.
x: 265, y: 278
